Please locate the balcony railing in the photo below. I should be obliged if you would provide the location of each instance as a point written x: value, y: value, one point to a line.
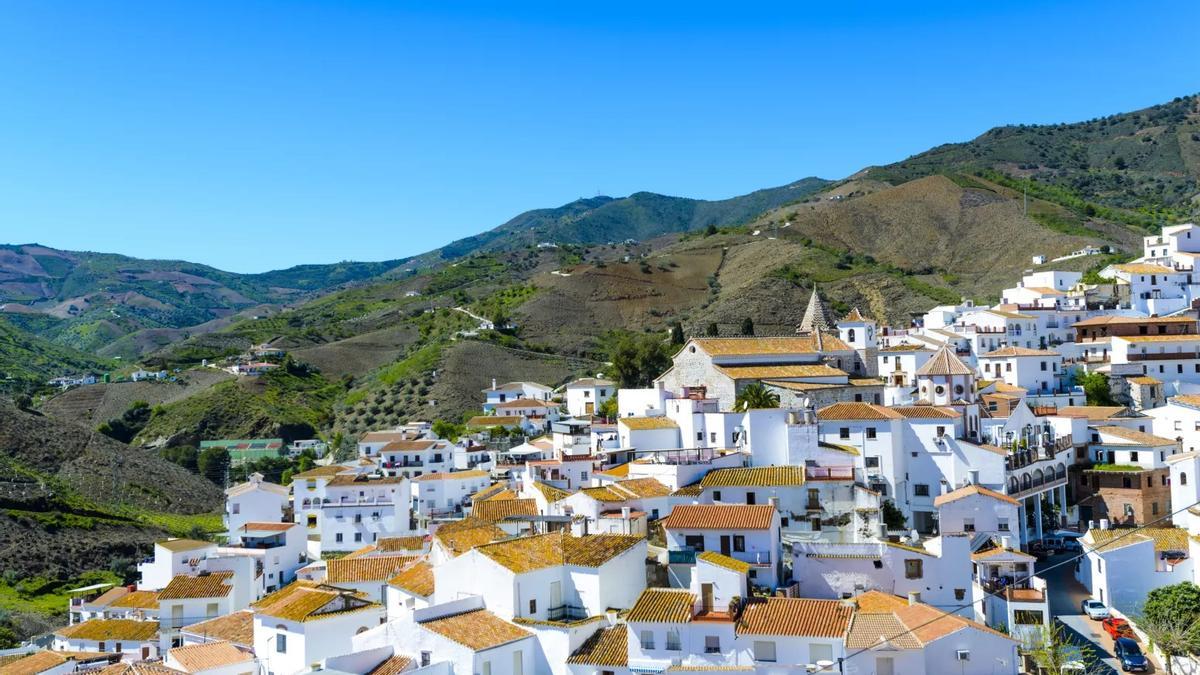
x: 829, y: 472
x: 1163, y: 356
x: 566, y: 613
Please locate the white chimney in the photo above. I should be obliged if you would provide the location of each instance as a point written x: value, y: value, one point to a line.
x: 1091, y: 524
x: 1104, y: 523
x: 914, y: 598
x: 493, y: 384
x: 625, y: 511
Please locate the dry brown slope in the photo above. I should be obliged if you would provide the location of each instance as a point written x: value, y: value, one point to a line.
x: 91, y: 405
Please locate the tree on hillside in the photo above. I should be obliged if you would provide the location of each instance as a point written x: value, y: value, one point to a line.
x: 635, y: 360
x: 712, y: 330
x: 213, y: 464
x: 448, y: 430
x: 1095, y: 387
x: 747, y: 326
x: 755, y: 396
x: 1171, y: 619
x: 677, y: 337
x: 129, y: 424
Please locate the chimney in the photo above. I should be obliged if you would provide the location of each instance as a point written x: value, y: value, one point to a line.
x: 1006, y: 543
x: 1104, y: 523
x: 493, y: 384
x: 1091, y: 524
x: 914, y: 598
x: 625, y: 513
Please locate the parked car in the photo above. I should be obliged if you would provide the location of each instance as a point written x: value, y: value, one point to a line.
x: 1117, y: 628
x: 1071, y: 546
x: 1094, y: 609
x: 1129, y: 655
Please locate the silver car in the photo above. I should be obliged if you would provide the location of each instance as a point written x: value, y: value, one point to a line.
x: 1094, y: 609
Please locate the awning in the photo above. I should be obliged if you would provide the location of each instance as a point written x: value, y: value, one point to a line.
x: 93, y: 587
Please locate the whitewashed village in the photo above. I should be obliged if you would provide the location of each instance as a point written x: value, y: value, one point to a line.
x: 851, y: 498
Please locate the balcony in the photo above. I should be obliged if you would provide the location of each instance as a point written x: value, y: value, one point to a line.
x: 566, y: 613
x: 829, y: 473
x: 1163, y: 356
x: 683, y: 556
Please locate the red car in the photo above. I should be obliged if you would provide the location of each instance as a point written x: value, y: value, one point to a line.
x: 1117, y: 628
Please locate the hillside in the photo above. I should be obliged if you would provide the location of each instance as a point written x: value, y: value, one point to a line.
x: 28, y: 359
x: 91, y: 405
x: 640, y: 216
x: 90, y: 300
x: 1146, y: 162
x: 70, y: 497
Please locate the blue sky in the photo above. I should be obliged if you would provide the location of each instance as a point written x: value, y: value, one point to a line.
x: 255, y: 135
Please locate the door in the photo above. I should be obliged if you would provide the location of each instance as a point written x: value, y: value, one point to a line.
x: 555, y: 595
x: 884, y: 665
x: 589, y: 407
x: 706, y: 597
x: 726, y: 547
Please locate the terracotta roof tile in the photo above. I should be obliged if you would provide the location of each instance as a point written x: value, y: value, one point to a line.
x: 184, y: 586
x: 503, y: 508
x: 758, y: 476
x: 720, y: 517
x: 369, y: 568
x: 857, y: 411
x: 308, y: 601
x: 209, y: 655
x: 41, y: 661
x: 476, y: 630
x: 237, y: 628
x: 944, y: 362
x: 1011, y: 351
x: 780, y: 371
x: 662, y: 605
x: 526, y: 554
x: 416, y: 579
x: 868, y: 630
x: 137, y: 600
x: 111, y: 629
x: 606, y: 647
x: 462, y: 536
x: 751, y: 346
x: 1134, y: 436
x: 795, y: 617
x: 393, y: 665
x: 969, y: 491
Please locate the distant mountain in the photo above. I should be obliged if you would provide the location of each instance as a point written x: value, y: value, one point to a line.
x: 1147, y: 160
x: 642, y: 215
x: 90, y: 300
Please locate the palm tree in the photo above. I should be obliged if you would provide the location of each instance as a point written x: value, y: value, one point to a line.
x: 755, y: 395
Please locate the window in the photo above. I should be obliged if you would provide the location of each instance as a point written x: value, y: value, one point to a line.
x: 871, y: 462
x: 358, y: 536
x: 1133, y: 456
x: 426, y: 659
x: 712, y: 644
x: 844, y: 433
x: 533, y: 606
x: 921, y: 489
x: 358, y: 517
x: 1154, y: 508
x: 102, y: 648
x: 712, y: 437
x: 739, y: 543
x: 211, y: 609
x: 673, y: 644
x: 117, y: 647
x: 751, y: 498
x: 968, y: 524
x: 237, y: 508
x: 1027, y: 617
x: 647, y: 638
x: 1002, y: 525
x: 716, y: 495
x: 1008, y: 367
x: 1043, y: 365
x: 913, y: 568
x: 764, y: 651
x: 280, y: 640
x: 870, y: 432
x: 960, y: 593
x: 583, y: 476
x: 820, y: 652
x: 1128, y: 510
x: 941, y: 431
x: 338, y: 537
x: 700, y: 435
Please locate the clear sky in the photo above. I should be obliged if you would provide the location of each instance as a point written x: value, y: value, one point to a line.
x: 255, y: 135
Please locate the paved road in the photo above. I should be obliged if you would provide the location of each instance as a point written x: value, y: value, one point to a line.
x: 1065, y: 595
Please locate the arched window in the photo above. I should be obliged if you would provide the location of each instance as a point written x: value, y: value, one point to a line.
x: 850, y: 334
x: 1026, y: 481
x: 1060, y: 472
x: 1013, y: 486
x: 1038, y: 477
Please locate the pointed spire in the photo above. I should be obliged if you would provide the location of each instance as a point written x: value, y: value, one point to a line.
x: 817, y: 317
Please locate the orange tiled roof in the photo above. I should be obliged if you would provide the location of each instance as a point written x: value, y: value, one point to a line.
x: 496, y: 510
x: 662, y: 605
x: 798, y: 617
x: 393, y: 665
x: 476, y: 630
x: 373, y: 568
x: 416, y: 579
x: 185, y: 586
x: 526, y: 554
x: 237, y: 628
x: 969, y: 491
x: 209, y: 655
x: 857, y: 411
x: 756, y: 476
x: 606, y: 647
x: 111, y: 629
x: 720, y: 517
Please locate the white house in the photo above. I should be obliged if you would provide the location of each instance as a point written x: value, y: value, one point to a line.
x: 306, y: 622
x: 749, y: 533
x: 256, y: 500
x: 211, y: 658
x: 502, y: 393
x: 587, y: 394
x: 446, y: 494
x: 133, y: 640
x: 1035, y: 370
x: 1120, y: 566
x: 975, y: 509
x: 278, y: 548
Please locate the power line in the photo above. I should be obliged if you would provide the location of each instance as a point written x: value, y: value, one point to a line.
x: 953, y: 612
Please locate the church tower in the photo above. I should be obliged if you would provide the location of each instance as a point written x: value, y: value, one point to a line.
x: 859, y: 332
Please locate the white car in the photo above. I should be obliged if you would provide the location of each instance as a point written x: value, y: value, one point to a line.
x: 1094, y: 609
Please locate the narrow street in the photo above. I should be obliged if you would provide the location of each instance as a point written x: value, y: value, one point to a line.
x: 1066, y: 594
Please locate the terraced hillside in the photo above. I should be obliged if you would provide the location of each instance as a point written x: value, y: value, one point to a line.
x: 91, y: 405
